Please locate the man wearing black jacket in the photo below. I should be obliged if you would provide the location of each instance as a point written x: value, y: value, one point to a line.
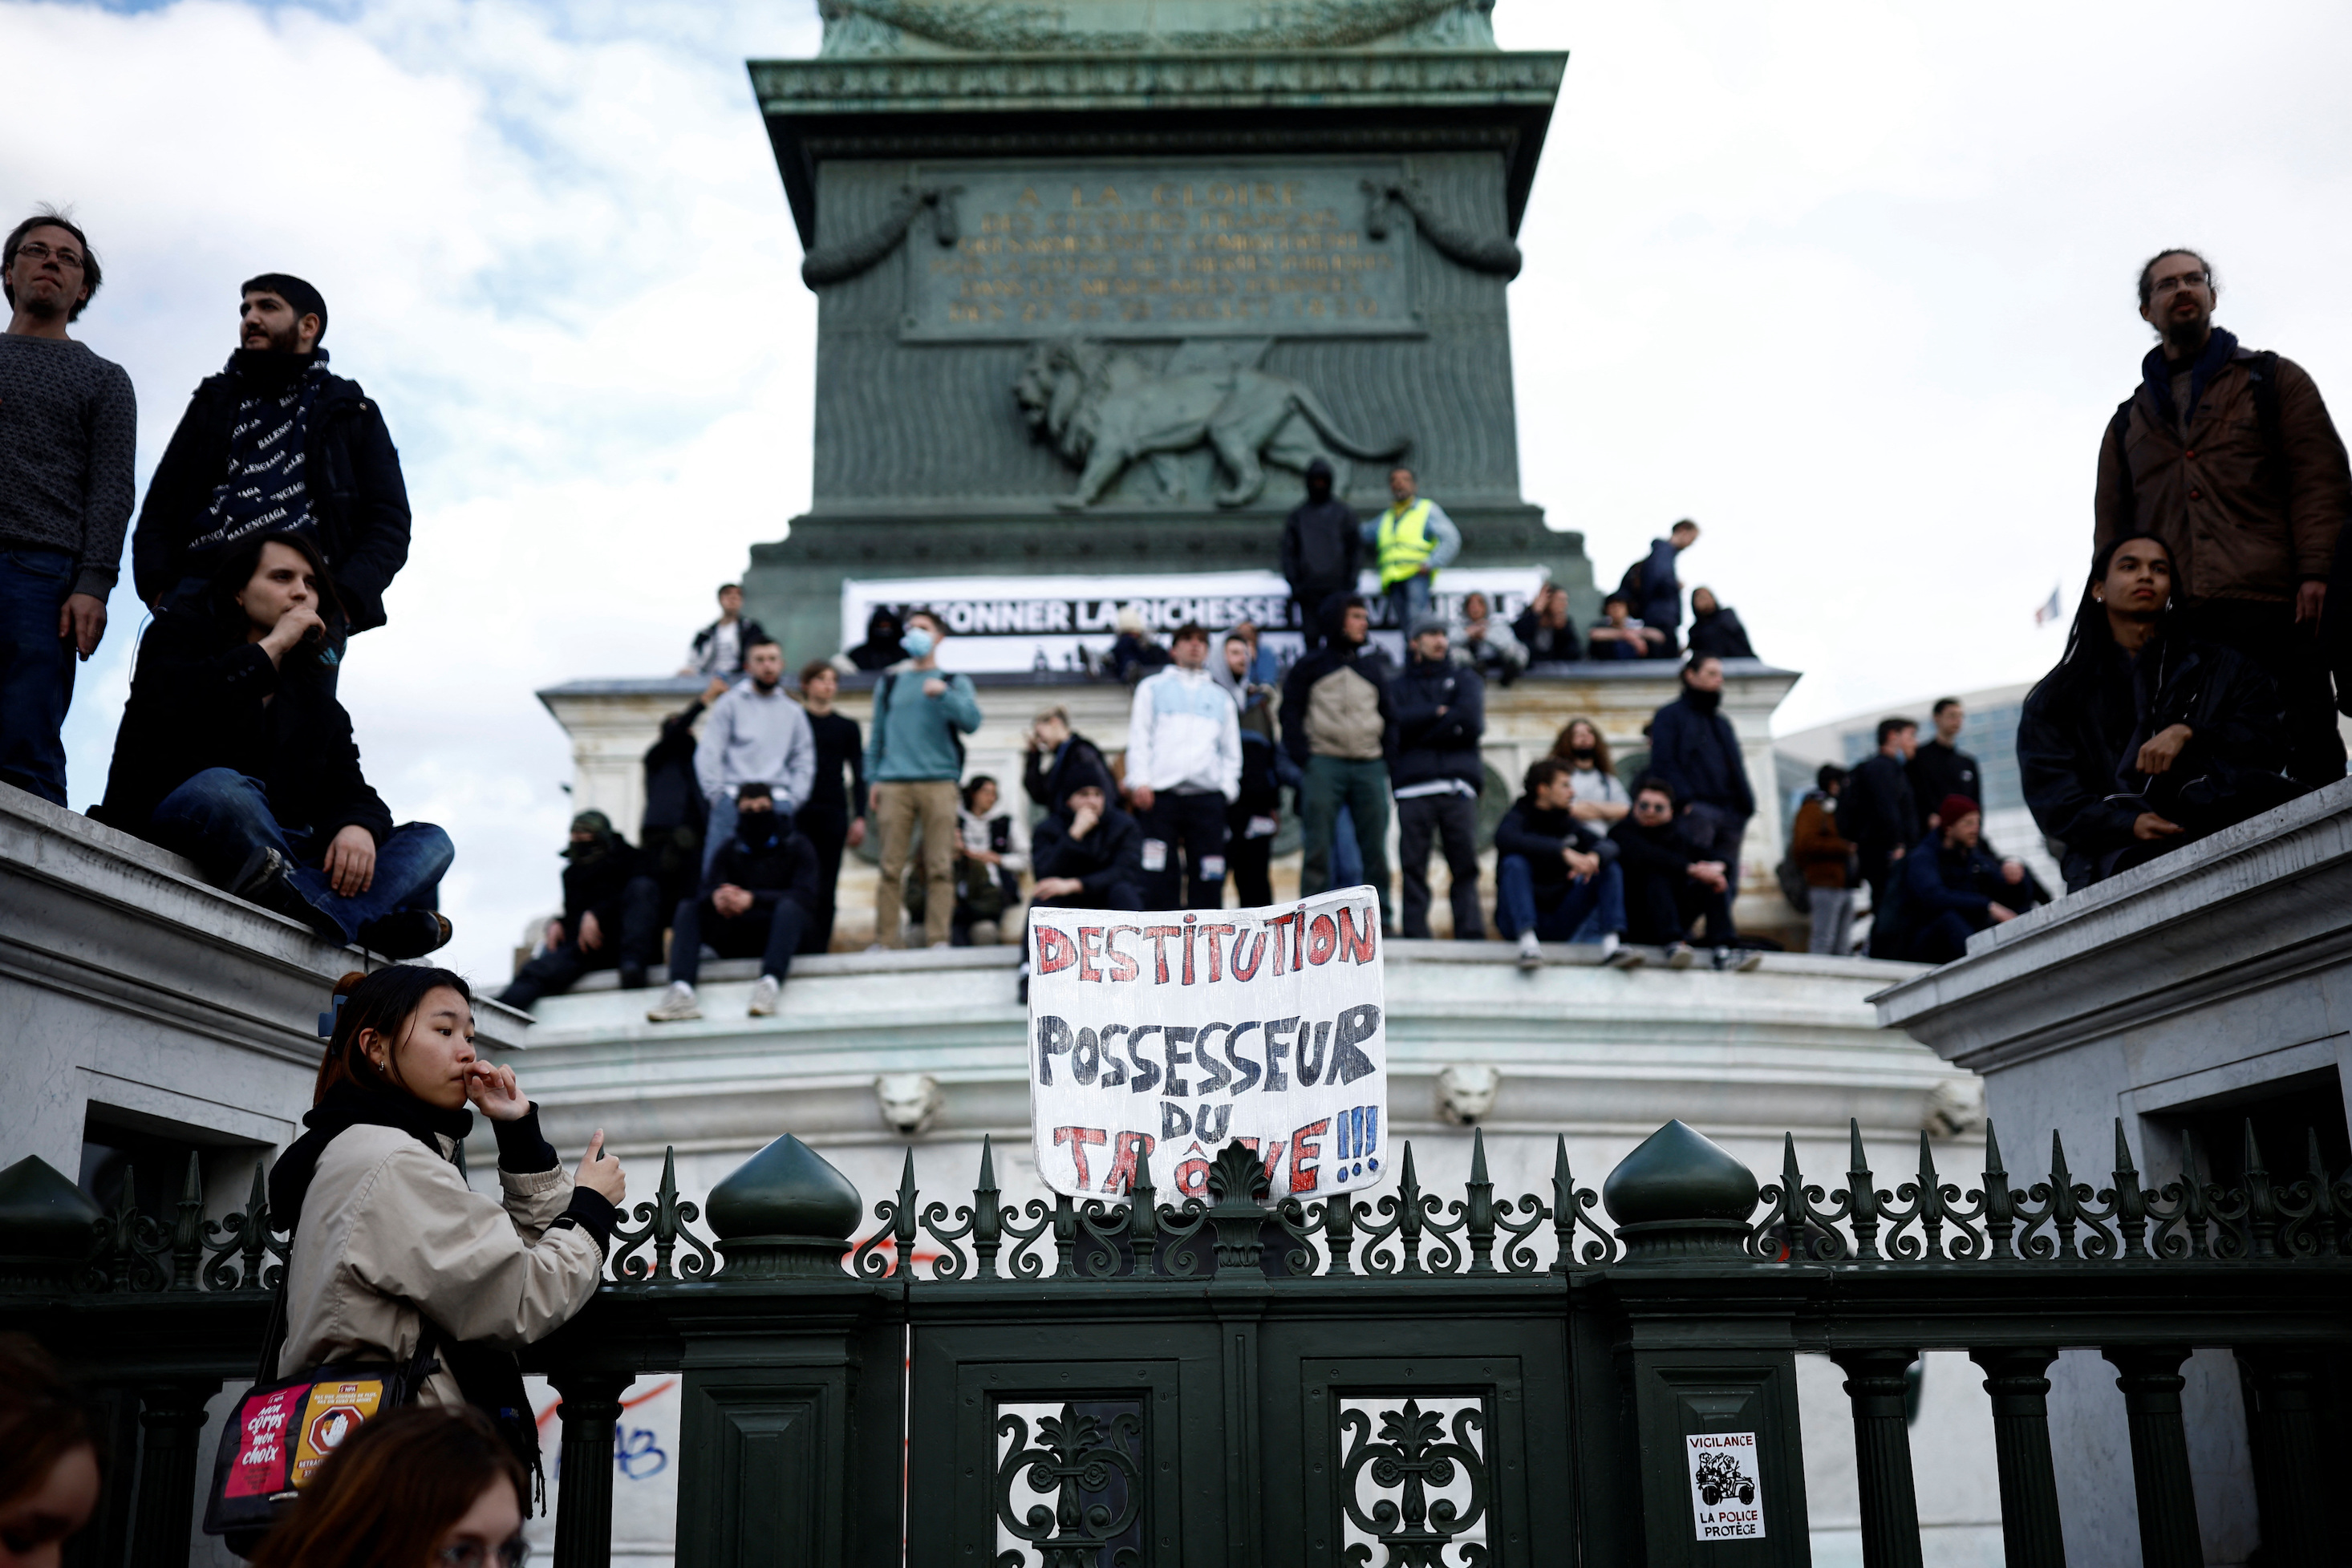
x: 2144, y: 739
x: 277, y: 444
x: 670, y: 832
x: 1089, y: 854
x: 1671, y: 887
x: 233, y: 752
x: 1939, y: 768
x: 756, y: 897
x: 1694, y: 748
x: 612, y: 917
x: 1339, y: 726
x: 831, y: 820
x: 1878, y: 812
x: 1555, y: 878
x: 1322, y: 550
x: 1436, y: 773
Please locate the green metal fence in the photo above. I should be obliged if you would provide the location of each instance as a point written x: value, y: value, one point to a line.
x: 1410, y: 1380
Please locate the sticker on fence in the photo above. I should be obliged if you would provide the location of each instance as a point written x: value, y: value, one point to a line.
x: 1167, y: 1036
x: 1726, y: 1486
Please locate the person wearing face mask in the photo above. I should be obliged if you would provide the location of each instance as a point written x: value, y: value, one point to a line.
x: 277, y: 444
x: 233, y: 752
x: 612, y: 917
x: 758, y: 896
x: 914, y: 758
x: 392, y: 1247
x: 1694, y: 749
x: 755, y: 735
x: 421, y: 1488
x: 1322, y: 552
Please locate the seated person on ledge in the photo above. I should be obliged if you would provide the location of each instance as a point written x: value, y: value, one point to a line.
x: 1617, y: 635
x: 2142, y: 739
x: 1555, y: 878
x: 756, y: 898
x: 612, y: 917
x: 1089, y: 854
x: 1669, y: 889
x: 1947, y: 888
x: 233, y: 752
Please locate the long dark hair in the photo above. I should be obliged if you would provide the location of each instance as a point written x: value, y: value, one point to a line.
x: 384, y: 1001
x: 237, y: 568
x: 387, y: 1495
x: 2089, y: 640
x: 42, y: 1419
x: 1601, y: 758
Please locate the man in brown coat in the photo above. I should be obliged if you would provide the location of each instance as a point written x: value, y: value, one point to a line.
x: 2228, y: 455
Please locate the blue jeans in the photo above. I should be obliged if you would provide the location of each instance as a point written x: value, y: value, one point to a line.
x: 1409, y: 601
x: 1586, y: 911
x: 36, y: 670
x: 219, y: 819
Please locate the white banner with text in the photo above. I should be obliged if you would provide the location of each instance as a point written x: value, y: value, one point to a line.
x: 1164, y: 1036
x: 1049, y: 623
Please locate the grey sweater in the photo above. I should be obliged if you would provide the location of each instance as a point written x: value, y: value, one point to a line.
x: 69, y: 425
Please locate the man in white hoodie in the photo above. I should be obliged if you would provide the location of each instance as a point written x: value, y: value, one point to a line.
x: 755, y: 735
x: 1184, y: 768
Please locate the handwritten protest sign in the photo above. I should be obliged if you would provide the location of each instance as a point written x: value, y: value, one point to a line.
x: 1166, y: 1036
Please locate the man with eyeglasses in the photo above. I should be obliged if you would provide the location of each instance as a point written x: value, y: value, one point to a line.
x: 278, y: 443
x: 2229, y: 457
x: 69, y: 422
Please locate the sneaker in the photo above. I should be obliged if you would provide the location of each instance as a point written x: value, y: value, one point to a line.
x: 937, y: 946
x: 1530, y: 951
x: 1737, y: 960
x: 677, y: 1005
x: 1616, y: 954
x: 763, y: 997
x: 406, y: 933
x: 875, y: 947
x: 633, y: 976
x: 1679, y: 956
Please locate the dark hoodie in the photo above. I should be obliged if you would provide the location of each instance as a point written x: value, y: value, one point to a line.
x: 1322, y: 544
x: 1538, y: 835
x: 881, y: 648
x: 597, y: 873
x: 1335, y: 660
x: 768, y: 860
x: 1050, y: 776
x: 1108, y: 863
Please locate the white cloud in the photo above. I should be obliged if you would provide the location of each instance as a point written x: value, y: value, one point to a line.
x: 1847, y: 282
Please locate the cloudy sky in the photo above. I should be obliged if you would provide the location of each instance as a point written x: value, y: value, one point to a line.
x: 1850, y: 284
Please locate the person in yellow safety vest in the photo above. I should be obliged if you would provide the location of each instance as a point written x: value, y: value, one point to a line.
x: 1410, y: 541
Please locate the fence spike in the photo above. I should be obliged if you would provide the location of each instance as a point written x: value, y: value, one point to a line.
x: 2324, y: 1206
x: 987, y: 1219
x: 2261, y: 1200
x: 1479, y: 1213
x: 256, y: 1230
x: 987, y: 1161
x: 2130, y: 1201
x: 188, y: 1226
x: 2062, y: 1211
x: 1930, y: 1204
x: 1478, y: 1156
x: 1861, y: 1194
x: 1999, y: 1211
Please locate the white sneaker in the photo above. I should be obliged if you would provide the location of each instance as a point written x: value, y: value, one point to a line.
x: 677, y: 1005
x: 1530, y: 951
x: 875, y: 947
x: 763, y: 997
x: 1678, y: 956
x: 1616, y: 954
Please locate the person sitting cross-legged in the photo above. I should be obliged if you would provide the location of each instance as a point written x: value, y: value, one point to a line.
x: 1555, y: 878
x: 1951, y: 889
x: 1670, y: 886
x: 233, y: 752
x: 757, y: 897
x: 612, y: 917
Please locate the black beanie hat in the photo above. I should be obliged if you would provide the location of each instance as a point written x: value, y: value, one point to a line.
x: 306, y: 300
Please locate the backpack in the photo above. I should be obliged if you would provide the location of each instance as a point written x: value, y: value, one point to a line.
x: 1793, y: 885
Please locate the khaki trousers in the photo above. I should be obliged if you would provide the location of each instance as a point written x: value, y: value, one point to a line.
x: 899, y: 808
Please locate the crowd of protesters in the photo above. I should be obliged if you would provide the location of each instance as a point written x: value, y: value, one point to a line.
x: 275, y: 521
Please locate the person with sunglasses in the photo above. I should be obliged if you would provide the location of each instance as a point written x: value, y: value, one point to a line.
x: 68, y: 421
x: 426, y: 1487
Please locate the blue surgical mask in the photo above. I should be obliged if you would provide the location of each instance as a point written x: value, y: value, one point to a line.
x: 915, y: 641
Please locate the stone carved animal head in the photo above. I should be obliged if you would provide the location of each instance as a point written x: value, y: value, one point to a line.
x: 1465, y: 1092
x: 1060, y: 388
x: 911, y: 1102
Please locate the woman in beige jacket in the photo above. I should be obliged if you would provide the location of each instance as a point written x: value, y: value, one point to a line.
x: 388, y: 1238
